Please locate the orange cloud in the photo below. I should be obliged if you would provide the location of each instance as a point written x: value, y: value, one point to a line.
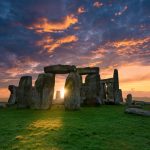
x: 93, y: 64
x: 81, y: 10
x: 131, y: 46
x: 97, y: 4
x: 50, y: 45
x: 132, y: 42
x: 99, y: 53
x: 44, y: 25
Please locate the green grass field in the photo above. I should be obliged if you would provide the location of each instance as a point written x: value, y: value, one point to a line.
x: 99, y: 128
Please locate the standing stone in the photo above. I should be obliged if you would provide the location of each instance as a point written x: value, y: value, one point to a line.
x: 92, y: 93
x: 13, y: 95
x: 102, y: 91
x: 72, y: 95
x: 118, y: 97
x: 42, y: 93
x: 24, y: 92
x: 116, y: 80
x: 110, y: 94
x: 116, y: 83
x: 82, y: 93
x: 129, y: 99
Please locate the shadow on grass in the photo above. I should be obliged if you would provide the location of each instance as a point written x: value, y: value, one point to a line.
x: 105, y: 127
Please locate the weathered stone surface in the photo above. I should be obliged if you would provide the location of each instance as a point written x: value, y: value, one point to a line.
x: 59, y: 69
x: 137, y: 111
x: 110, y: 94
x: 92, y: 93
x: 13, y: 95
x: 72, y: 95
x: 129, y: 99
x: 42, y: 93
x: 142, y: 103
x: 24, y: 92
x: 88, y: 70
x: 118, y: 97
x: 107, y: 92
x: 116, y: 80
x: 82, y: 93
x: 134, y: 106
x: 116, y: 83
x: 102, y: 91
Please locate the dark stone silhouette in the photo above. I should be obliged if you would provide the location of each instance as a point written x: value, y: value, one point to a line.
x: 118, y: 97
x: 24, y: 92
x: 42, y: 93
x: 88, y: 70
x: 59, y: 69
x: 129, y: 100
x: 13, y: 95
x: 72, y: 95
x: 92, y: 90
x: 116, y: 84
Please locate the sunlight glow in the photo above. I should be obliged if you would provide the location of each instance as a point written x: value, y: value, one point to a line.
x: 63, y: 92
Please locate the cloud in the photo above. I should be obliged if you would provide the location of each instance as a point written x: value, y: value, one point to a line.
x: 98, y: 4
x: 131, y: 42
x: 81, y: 10
x: 44, y: 25
x: 121, y: 11
x: 132, y: 46
x: 50, y: 44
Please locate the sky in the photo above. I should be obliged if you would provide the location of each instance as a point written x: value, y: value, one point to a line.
x: 105, y: 33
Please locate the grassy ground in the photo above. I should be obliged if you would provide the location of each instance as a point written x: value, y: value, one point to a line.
x: 100, y: 128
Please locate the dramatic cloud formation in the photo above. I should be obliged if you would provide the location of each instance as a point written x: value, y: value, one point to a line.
x: 43, y: 25
x: 108, y: 34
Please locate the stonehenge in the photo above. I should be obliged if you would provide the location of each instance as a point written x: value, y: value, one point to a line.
x: 95, y: 91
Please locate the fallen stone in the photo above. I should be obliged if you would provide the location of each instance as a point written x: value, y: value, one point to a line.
x: 134, y: 106
x: 59, y: 69
x: 137, y: 111
x: 42, y: 93
x: 138, y: 102
x: 24, y: 92
x: 88, y: 70
x: 72, y: 95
